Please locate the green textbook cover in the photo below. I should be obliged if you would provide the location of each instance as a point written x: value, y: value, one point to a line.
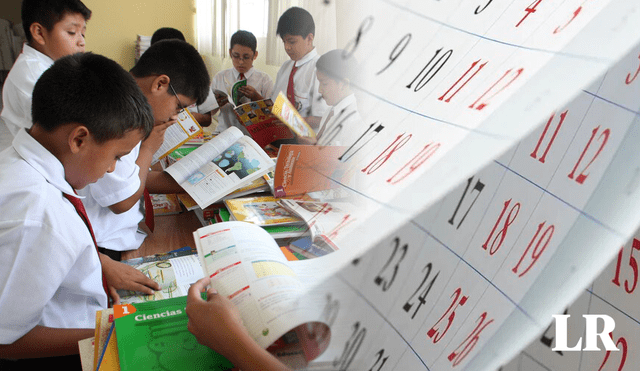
x: 154, y: 336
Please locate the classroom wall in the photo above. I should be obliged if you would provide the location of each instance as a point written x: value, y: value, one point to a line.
x: 115, y: 24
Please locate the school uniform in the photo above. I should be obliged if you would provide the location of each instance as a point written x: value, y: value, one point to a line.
x: 308, y: 100
x: 224, y: 81
x: 117, y: 232
x: 341, y: 125
x: 18, y: 88
x: 50, y: 272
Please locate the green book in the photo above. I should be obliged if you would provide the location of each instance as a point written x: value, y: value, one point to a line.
x: 154, y: 336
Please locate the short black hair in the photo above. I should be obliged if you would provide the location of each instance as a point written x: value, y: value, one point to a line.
x: 94, y: 91
x: 244, y: 38
x: 337, y: 65
x: 166, y: 33
x: 296, y: 21
x: 49, y: 12
x: 181, y: 62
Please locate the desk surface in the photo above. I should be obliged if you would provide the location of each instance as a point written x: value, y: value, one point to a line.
x: 171, y: 232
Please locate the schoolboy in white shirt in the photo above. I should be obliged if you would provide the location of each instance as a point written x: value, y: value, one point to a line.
x: 296, y: 77
x: 243, y: 52
x: 54, y: 28
x: 88, y: 112
x: 341, y: 125
x: 172, y: 75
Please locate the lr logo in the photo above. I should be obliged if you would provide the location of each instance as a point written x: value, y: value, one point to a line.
x: 591, y: 333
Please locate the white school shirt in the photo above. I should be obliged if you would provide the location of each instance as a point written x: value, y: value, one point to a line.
x: 224, y: 81
x: 18, y: 88
x: 346, y: 117
x: 309, y: 102
x: 50, y: 273
x: 118, y: 232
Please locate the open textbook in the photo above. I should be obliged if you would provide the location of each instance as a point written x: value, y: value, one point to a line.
x: 177, y: 134
x: 245, y: 264
x: 227, y: 162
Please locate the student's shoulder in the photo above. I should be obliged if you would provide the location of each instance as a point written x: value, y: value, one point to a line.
x: 29, y: 66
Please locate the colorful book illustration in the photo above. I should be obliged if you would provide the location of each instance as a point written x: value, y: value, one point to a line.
x: 287, y: 113
x: 263, y: 126
x: 165, y: 204
x: 154, y: 336
x: 177, y: 134
x: 228, y: 162
x: 262, y: 211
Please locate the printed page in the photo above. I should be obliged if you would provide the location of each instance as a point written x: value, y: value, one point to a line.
x: 246, y: 265
x: 177, y: 134
x: 187, y: 166
x: 237, y: 165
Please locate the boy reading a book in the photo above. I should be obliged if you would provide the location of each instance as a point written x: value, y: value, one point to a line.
x: 54, y: 28
x: 243, y: 51
x: 296, y: 77
x: 216, y: 323
x: 172, y: 75
x: 88, y: 113
x: 341, y: 124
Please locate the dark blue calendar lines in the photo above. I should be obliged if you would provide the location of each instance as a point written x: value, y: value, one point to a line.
x: 637, y: 113
x: 522, y: 47
x: 590, y: 291
x: 381, y: 315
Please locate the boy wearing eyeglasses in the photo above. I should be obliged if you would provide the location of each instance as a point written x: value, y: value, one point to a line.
x: 243, y: 52
x: 171, y: 75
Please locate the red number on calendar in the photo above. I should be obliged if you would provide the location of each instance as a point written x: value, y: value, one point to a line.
x: 346, y: 220
x: 502, y: 233
x: 633, y: 263
x: 534, y: 154
x: 530, y: 9
x: 541, y: 244
x: 433, y: 334
x: 398, y: 143
x: 604, y: 137
x: 623, y: 357
x: 473, y: 65
x: 482, y: 105
x: 425, y: 153
x: 630, y: 79
x: 470, y: 342
x: 575, y: 14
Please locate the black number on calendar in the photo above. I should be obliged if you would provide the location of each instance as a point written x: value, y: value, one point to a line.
x: 379, y: 360
x: 547, y: 340
x: 432, y: 64
x: 397, y: 50
x: 480, y: 10
x: 332, y: 131
x: 353, y: 44
x: 422, y: 298
x: 380, y: 279
x: 364, y: 139
x: 478, y: 187
x: 351, y: 347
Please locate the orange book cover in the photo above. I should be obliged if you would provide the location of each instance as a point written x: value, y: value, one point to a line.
x: 304, y: 168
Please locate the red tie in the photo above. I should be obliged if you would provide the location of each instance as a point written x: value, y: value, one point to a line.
x: 290, y: 92
x: 148, y: 210
x: 83, y: 214
x: 241, y: 77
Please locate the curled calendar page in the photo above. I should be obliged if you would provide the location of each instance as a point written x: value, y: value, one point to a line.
x: 495, y: 175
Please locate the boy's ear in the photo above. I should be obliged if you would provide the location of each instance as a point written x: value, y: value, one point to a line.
x: 37, y: 33
x: 78, y: 138
x: 255, y: 55
x: 160, y: 84
x: 309, y: 38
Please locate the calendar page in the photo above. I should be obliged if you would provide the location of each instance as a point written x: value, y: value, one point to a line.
x: 496, y: 177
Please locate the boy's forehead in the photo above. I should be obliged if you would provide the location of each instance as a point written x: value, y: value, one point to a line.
x: 75, y: 19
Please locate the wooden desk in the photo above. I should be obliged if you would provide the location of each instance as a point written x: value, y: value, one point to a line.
x: 171, y: 232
